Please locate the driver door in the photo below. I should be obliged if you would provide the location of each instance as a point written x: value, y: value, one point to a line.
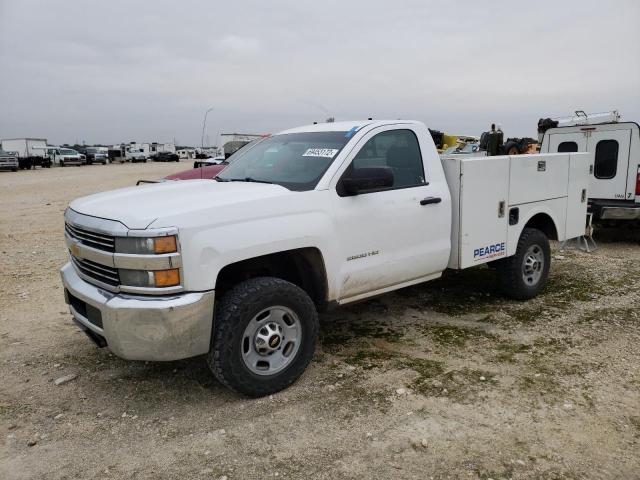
x: 396, y: 235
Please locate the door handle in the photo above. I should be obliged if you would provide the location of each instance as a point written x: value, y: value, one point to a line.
x: 430, y: 200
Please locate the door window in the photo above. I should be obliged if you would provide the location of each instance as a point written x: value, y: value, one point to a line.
x: 397, y: 150
x: 606, y: 159
x: 568, y: 147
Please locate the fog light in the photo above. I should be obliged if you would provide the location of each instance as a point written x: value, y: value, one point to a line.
x: 167, y: 278
x: 150, y: 279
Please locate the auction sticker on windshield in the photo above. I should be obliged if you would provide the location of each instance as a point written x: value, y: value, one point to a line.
x: 320, y: 152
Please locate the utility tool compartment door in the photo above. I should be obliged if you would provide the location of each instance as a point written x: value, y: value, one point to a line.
x: 611, y: 164
x: 538, y: 177
x: 580, y: 164
x: 483, y: 210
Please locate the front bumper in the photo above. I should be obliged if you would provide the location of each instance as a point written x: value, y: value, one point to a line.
x: 9, y: 164
x: 136, y: 327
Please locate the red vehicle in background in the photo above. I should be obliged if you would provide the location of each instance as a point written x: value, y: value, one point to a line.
x: 199, y: 173
x: 203, y: 171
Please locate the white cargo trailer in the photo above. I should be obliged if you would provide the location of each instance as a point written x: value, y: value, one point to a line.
x: 25, y: 147
x: 31, y: 151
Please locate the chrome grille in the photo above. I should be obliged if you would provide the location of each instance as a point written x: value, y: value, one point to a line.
x: 91, y: 239
x: 101, y: 273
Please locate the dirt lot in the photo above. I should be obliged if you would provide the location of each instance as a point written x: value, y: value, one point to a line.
x: 442, y: 380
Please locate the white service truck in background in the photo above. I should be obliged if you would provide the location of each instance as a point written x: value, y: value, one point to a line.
x: 235, y: 268
x: 64, y: 156
x: 614, y: 192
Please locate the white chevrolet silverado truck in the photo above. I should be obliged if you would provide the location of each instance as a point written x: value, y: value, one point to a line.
x: 235, y: 268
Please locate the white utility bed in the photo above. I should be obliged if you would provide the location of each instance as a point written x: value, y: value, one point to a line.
x: 494, y: 197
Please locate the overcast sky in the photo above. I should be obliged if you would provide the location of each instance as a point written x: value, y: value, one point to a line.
x: 116, y: 71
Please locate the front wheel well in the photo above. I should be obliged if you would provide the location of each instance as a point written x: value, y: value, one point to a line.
x: 544, y: 223
x: 303, y: 267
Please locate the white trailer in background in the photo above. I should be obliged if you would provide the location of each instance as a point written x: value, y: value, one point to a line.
x: 186, y: 153
x: 140, y: 152
x: 25, y: 147
x: 31, y: 151
x: 232, y: 142
x: 156, y: 148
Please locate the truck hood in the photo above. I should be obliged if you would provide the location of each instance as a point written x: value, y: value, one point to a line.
x: 138, y: 207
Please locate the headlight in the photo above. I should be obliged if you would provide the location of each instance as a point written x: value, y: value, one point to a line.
x: 150, y: 279
x: 146, y: 246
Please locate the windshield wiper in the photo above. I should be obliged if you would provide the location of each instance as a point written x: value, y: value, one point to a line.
x: 246, y: 179
x: 220, y: 179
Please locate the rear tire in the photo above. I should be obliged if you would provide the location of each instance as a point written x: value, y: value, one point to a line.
x: 245, y: 350
x: 523, y: 275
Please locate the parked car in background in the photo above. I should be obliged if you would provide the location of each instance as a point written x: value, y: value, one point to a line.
x: 97, y: 155
x: 136, y: 155
x: 469, y: 149
x: 65, y: 156
x: 166, y: 157
x: 203, y: 162
x: 9, y: 161
x: 205, y: 172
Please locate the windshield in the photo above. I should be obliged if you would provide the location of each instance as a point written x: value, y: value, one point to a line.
x: 68, y: 151
x: 469, y: 148
x: 243, y: 149
x: 294, y: 160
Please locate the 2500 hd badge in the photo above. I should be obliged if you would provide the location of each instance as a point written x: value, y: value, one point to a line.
x: 490, y: 251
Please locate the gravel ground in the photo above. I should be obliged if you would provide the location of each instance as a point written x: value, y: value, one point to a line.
x: 441, y: 380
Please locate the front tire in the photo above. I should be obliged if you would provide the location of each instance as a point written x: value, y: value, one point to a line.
x: 523, y: 275
x: 265, y: 336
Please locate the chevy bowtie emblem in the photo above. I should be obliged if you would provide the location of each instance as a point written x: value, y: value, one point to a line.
x: 75, y: 249
x: 274, y: 341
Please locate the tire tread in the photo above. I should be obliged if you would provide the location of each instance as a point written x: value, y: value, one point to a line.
x: 246, y: 297
x: 509, y: 269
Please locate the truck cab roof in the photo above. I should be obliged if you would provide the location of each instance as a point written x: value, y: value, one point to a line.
x: 345, y: 126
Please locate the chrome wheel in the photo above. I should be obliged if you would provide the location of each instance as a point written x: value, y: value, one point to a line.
x: 533, y: 265
x: 271, y: 340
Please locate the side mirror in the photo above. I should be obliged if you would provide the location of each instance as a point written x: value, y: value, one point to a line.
x: 362, y: 180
